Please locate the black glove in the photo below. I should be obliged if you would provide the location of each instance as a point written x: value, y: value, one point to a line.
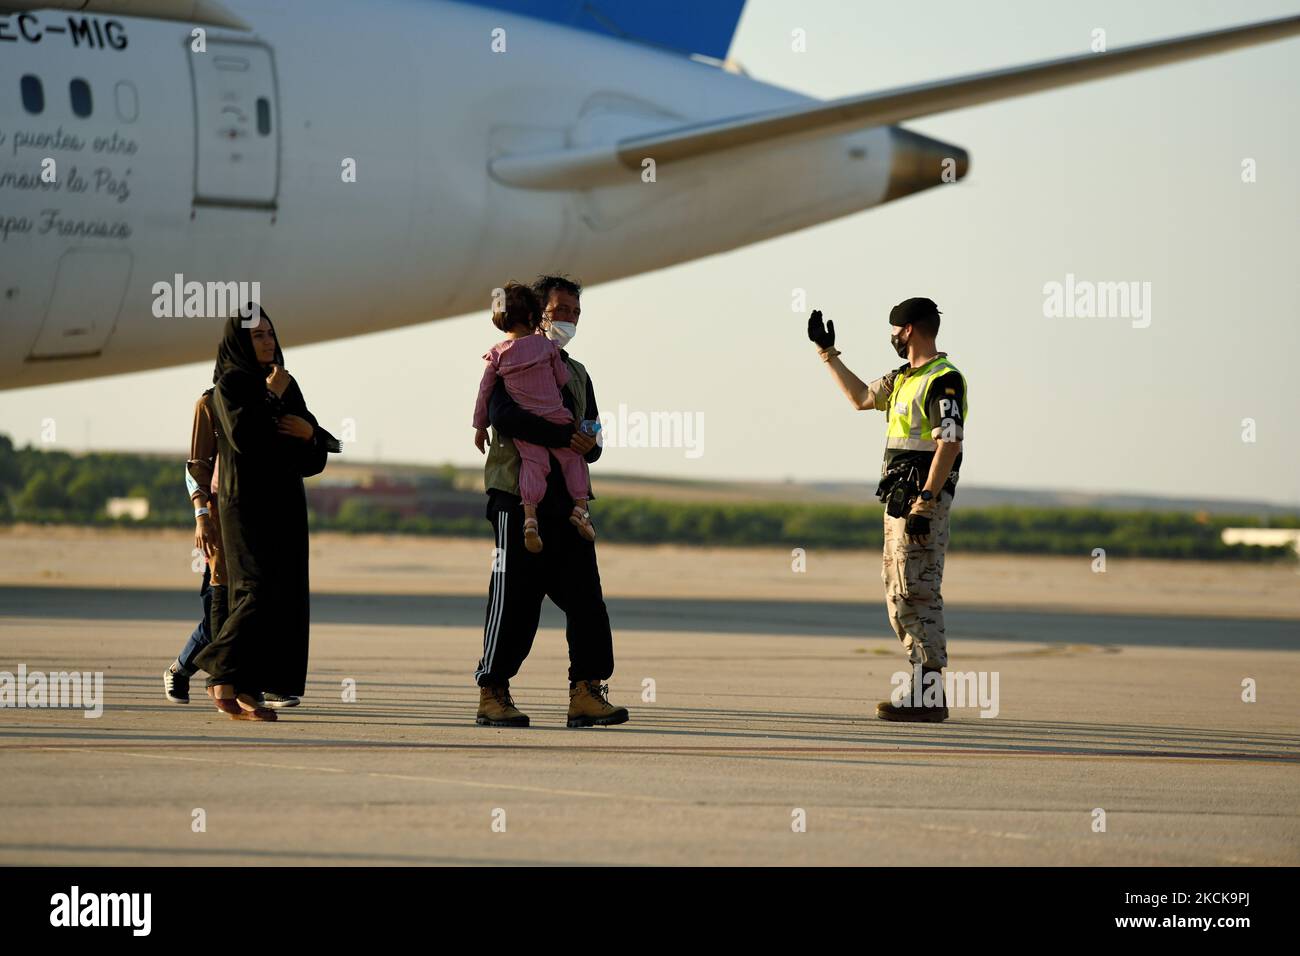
x: 918, y: 526
x: 822, y: 336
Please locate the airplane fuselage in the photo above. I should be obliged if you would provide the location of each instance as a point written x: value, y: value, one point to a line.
x: 234, y: 165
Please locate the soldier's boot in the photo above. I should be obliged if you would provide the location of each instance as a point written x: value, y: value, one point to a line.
x: 589, y: 706
x: 907, y: 710
x: 496, y: 708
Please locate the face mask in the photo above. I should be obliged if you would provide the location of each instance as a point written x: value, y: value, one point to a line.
x: 562, y: 333
x: 899, y: 345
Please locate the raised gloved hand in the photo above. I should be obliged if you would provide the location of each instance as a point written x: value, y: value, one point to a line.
x: 822, y: 335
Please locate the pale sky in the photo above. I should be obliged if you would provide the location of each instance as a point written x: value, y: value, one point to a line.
x: 1134, y: 179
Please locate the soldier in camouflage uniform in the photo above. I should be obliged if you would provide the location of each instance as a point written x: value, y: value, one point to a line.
x: 925, y: 403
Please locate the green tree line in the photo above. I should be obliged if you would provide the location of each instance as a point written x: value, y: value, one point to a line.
x: 38, y: 485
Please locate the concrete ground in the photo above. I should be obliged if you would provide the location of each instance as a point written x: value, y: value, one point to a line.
x: 760, y: 718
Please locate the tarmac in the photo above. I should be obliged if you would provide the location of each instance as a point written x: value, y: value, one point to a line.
x: 1119, y: 739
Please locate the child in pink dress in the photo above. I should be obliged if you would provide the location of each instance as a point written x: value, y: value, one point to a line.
x: 534, y: 372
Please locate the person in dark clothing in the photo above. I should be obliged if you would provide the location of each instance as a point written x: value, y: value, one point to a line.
x: 566, y: 571
x: 176, y: 677
x: 268, y: 442
x: 200, y: 484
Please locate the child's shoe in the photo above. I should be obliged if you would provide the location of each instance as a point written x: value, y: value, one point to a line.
x: 532, y: 538
x: 580, y: 518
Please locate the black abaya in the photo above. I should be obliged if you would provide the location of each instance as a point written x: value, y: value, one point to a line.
x: 263, y: 642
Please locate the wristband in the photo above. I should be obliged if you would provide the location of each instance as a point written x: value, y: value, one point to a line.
x: 200, y: 512
x: 828, y: 353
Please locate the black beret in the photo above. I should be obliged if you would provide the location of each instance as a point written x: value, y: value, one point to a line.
x: 913, y: 310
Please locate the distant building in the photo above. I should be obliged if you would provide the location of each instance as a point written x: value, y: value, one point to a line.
x: 1264, y: 537
x: 135, y: 508
x: 405, y: 496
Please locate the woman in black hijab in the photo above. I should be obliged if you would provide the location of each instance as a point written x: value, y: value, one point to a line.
x: 267, y: 443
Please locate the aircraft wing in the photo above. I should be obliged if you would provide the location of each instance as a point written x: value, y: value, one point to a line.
x: 207, y: 12
x: 610, y: 162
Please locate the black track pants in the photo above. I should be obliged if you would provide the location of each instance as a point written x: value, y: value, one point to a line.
x: 566, y: 572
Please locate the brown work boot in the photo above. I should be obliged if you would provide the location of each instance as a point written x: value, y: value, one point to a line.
x: 914, y: 710
x: 496, y: 708
x: 589, y: 706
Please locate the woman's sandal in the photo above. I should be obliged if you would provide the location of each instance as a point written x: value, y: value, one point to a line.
x: 252, y: 710
x: 226, y: 705
x: 532, y: 539
x: 581, y: 520
x: 241, y: 707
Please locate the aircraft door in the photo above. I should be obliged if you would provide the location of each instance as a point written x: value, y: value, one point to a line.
x: 236, y: 124
x: 88, y: 293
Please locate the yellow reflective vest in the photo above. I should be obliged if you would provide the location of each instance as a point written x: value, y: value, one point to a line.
x: 910, y: 428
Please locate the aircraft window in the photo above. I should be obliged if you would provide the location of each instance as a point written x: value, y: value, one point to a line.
x: 128, y: 102
x: 264, y: 116
x: 33, y: 94
x: 80, y: 91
